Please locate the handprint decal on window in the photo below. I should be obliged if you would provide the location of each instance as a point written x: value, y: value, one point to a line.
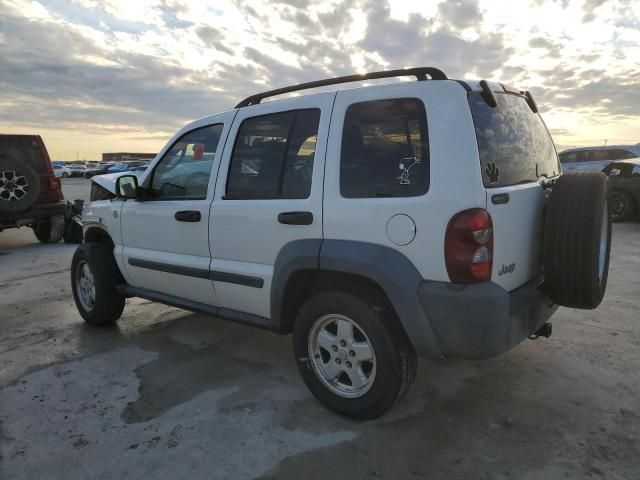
x: 492, y: 172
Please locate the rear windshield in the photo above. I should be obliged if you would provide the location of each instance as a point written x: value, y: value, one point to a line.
x: 23, y: 150
x: 513, y: 142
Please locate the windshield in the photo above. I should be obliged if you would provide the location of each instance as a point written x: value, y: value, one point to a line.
x: 513, y: 141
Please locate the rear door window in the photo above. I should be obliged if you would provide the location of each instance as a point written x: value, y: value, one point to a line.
x: 513, y: 141
x: 385, y: 151
x: 273, y: 156
x: 23, y: 150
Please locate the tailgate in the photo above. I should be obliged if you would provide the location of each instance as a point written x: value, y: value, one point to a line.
x: 517, y: 233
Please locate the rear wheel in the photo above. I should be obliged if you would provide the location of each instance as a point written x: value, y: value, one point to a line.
x: 94, y: 277
x: 577, y: 239
x: 622, y: 207
x: 49, y: 230
x: 352, y: 354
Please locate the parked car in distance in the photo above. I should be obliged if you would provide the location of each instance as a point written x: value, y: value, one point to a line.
x: 625, y: 181
x: 30, y: 192
x: 61, y: 170
x: 596, y: 158
x: 76, y: 169
x: 99, y: 169
x: 138, y: 168
x: 125, y: 166
x: 341, y: 217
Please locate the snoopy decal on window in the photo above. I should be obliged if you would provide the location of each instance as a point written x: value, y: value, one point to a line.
x: 405, y: 166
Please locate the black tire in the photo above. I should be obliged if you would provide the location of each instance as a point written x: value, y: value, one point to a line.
x: 623, y: 207
x: 578, y: 220
x: 49, y: 230
x: 108, y: 302
x: 65, y: 174
x: 395, y: 358
x: 72, y: 232
x: 19, y: 186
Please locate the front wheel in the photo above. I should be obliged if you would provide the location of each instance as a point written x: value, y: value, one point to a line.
x: 94, y: 277
x: 352, y: 354
x: 65, y: 174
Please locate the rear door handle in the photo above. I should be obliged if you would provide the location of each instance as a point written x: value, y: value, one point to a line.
x: 296, y: 218
x: 188, y: 216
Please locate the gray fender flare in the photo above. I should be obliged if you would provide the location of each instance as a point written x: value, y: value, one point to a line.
x: 388, y: 268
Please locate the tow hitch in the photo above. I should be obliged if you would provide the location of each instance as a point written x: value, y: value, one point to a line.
x: 544, y: 331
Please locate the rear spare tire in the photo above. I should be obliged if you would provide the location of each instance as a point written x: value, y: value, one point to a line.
x: 577, y: 239
x: 19, y: 186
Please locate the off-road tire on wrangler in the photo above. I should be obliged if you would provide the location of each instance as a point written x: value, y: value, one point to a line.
x: 395, y: 359
x: 622, y: 206
x: 19, y: 186
x: 49, y: 230
x: 577, y: 239
x: 108, y: 303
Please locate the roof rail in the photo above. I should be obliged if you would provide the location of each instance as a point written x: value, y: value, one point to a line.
x: 420, y: 73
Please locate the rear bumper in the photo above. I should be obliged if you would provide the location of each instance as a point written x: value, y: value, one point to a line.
x: 483, y: 320
x: 37, y: 212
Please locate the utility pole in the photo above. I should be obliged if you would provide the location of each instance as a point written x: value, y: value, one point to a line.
x: 605, y: 143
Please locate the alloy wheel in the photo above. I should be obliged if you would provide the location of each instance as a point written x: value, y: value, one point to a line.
x: 342, y: 356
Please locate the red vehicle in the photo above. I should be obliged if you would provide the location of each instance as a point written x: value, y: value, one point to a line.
x: 30, y: 193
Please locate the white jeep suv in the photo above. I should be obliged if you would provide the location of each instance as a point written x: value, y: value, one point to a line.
x: 376, y: 224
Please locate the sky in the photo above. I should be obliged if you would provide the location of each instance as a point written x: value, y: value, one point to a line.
x: 124, y: 75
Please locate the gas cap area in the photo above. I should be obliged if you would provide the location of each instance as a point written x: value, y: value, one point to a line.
x: 401, y: 229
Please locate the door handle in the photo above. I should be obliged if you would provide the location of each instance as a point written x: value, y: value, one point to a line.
x: 296, y: 218
x: 188, y: 216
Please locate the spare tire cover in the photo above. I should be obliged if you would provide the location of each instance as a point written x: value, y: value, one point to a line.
x: 19, y: 186
x: 577, y: 239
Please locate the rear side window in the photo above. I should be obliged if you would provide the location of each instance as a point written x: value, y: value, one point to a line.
x: 273, y: 156
x: 23, y: 150
x: 513, y: 142
x: 385, y: 151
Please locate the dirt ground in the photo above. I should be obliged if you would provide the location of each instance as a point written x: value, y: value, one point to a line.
x: 169, y: 394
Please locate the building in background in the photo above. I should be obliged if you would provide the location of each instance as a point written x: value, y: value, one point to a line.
x: 116, y: 157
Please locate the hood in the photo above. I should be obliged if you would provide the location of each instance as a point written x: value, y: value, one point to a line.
x: 108, y: 181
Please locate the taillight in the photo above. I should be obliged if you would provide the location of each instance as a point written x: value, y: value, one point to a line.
x: 468, y: 246
x: 54, y: 184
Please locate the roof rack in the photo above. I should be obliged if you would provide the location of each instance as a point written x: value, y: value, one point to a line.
x: 420, y: 73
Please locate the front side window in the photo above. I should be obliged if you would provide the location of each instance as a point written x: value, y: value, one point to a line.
x: 273, y: 156
x: 184, y: 171
x: 385, y: 150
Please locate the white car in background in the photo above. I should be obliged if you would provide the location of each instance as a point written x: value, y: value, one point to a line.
x: 60, y: 170
x: 596, y: 158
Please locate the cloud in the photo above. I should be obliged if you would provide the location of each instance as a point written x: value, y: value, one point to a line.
x: 553, y: 49
x: 119, y: 66
x: 589, y: 8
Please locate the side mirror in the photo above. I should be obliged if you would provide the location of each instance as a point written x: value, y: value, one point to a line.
x: 127, y: 186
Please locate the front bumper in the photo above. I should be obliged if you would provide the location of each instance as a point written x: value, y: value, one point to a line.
x: 37, y: 212
x: 483, y: 320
